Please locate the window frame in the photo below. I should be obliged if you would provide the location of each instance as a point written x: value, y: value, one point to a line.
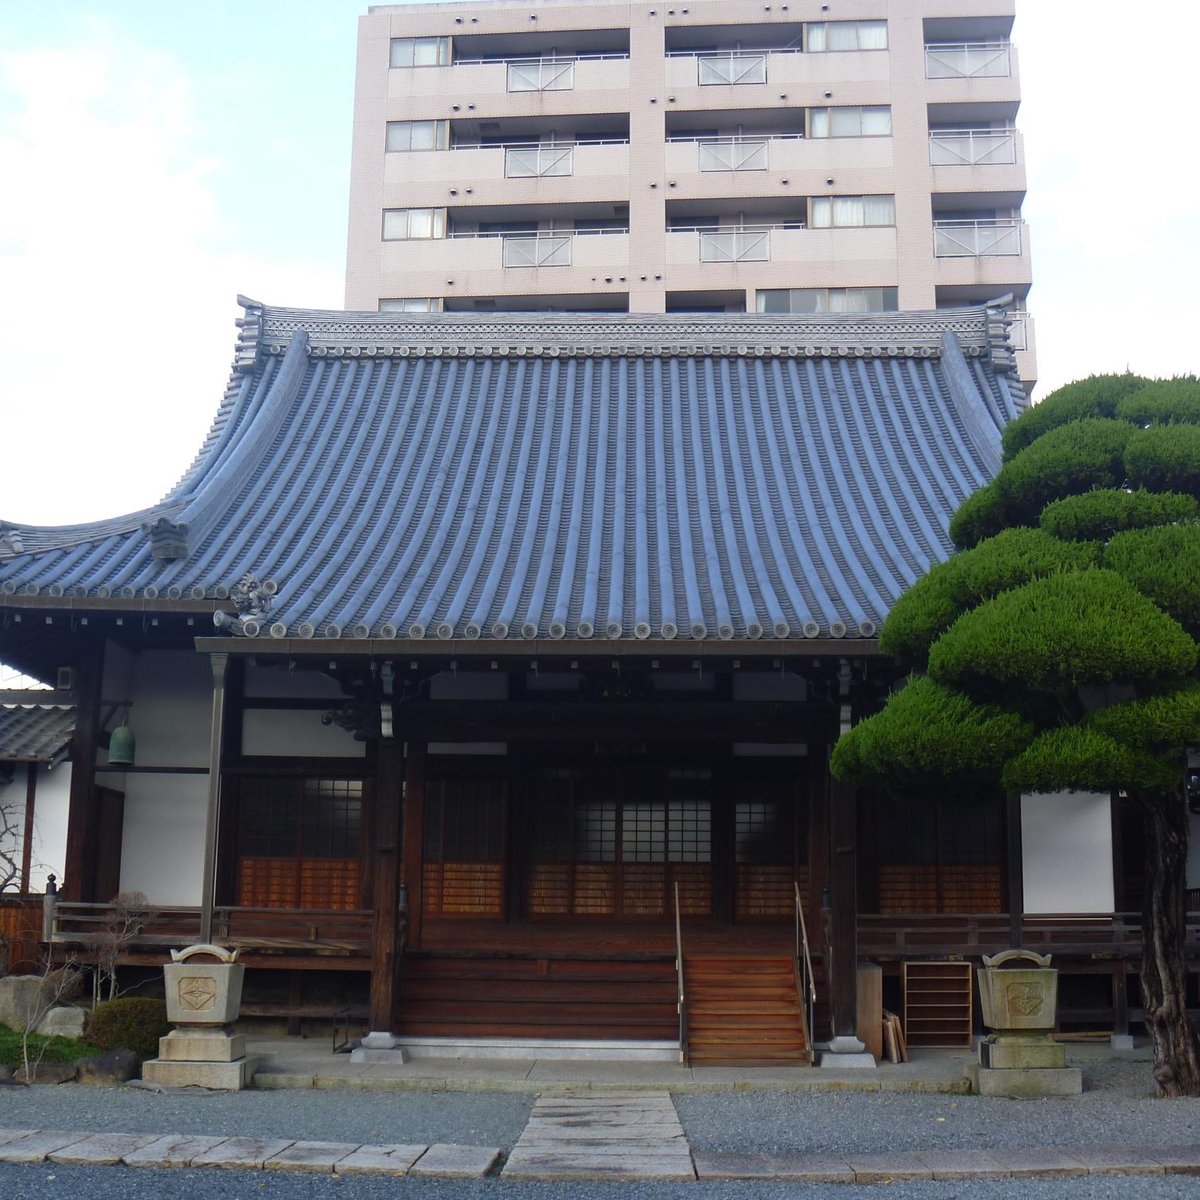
x: 441, y: 52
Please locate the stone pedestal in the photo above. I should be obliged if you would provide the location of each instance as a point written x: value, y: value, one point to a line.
x: 845, y: 1053
x: 204, y: 995
x: 1021, y: 1058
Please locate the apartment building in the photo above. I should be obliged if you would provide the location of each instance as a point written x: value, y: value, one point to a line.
x: 724, y: 156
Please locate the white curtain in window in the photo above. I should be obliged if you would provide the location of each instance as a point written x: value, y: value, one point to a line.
x: 879, y: 210
x: 872, y: 35
x: 877, y: 121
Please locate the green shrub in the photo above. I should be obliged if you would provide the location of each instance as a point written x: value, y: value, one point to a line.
x: 1164, y: 564
x: 129, y: 1023
x: 928, y: 731
x: 1165, y: 401
x: 937, y: 600
x: 1165, y: 458
x: 1098, y: 514
x: 1058, y: 633
x: 1165, y: 724
x: 1096, y: 396
x: 1079, y: 757
x: 981, y: 515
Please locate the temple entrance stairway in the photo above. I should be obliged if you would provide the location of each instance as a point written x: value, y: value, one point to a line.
x: 744, y: 1010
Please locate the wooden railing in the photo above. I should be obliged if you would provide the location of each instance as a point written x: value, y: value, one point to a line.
x: 681, y: 993
x: 310, y: 931
x: 1102, y: 934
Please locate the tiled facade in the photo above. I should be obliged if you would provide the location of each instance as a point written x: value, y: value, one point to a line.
x: 727, y: 156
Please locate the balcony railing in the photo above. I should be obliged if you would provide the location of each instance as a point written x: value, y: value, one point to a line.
x: 748, y: 244
x: 972, y: 147
x: 732, y: 154
x: 541, y: 74
x: 977, y: 239
x: 538, y: 250
x: 968, y: 60
x: 733, y: 67
x: 539, y: 161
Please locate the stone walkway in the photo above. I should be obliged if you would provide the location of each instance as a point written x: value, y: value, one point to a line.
x: 614, y: 1135
x: 244, y: 1153
x: 609, y: 1136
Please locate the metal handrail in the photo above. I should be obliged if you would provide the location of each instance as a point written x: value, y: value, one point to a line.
x: 727, y: 139
x: 681, y: 993
x: 541, y: 58
x: 736, y: 228
x: 804, y: 960
x: 555, y: 145
x: 533, y: 234
x: 742, y: 52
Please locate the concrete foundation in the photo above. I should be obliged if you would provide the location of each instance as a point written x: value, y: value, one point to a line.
x: 228, y: 1076
x: 1018, y: 1083
x: 202, y: 1046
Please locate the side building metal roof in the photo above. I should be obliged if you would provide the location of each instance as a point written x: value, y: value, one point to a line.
x: 528, y: 476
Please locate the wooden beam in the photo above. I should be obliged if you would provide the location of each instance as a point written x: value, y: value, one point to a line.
x: 843, y: 888
x: 591, y: 721
x: 79, y: 865
x: 414, y: 829
x: 389, y: 783
x: 1016, y: 870
x: 208, y: 884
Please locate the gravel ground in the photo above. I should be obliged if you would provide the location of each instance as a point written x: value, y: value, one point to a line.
x: 303, y: 1114
x: 1115, y: 1109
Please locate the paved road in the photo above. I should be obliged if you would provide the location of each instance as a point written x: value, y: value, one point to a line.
x: 115, y: 1183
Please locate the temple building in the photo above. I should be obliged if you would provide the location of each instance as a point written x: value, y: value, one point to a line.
x: 482, y: 671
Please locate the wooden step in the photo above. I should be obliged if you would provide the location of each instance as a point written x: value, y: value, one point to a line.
x: 744, y: 1009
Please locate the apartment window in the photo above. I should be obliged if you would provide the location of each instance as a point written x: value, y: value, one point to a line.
x: 418, y: 135
x: 420, y: 52
x: 847, y: 35
x: 850, y: 121
x: 403, y: 223
x: 844, y: 211
x: 827, y: 300
x: 411, y: 304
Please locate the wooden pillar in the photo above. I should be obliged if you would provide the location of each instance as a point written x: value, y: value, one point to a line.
x: 79, y: 865
x: 220, y: 664
x: 389, y: 780
x: 842, y: 971
x: 413, y: 841
x: 31, y: 775
x: 1016, y: 870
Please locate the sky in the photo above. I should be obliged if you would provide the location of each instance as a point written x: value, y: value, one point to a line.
x: 158, y: 158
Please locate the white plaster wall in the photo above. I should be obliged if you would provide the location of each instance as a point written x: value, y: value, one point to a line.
x: 469, y: 685
x: 162, y: 852
x: 769, y: 685
x: 296, y: 733
x: 1066, y: 844
x: 1193, y: 860
x: 50, y: 807
x: 284, y: 683
x: 171, y: 715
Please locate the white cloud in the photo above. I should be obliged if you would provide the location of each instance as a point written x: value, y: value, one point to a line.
x: 116, y: 306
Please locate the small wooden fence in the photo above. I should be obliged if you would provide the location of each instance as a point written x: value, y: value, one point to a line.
x: 20, y: 934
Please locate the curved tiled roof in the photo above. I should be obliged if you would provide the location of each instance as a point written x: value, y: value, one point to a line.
x: 35, y: 731
x: 564, y: 477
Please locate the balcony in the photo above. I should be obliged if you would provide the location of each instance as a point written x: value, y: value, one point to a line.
x: 978, y: 239
x: 539, y: 161
x: 732, y: 154
x: 972, y: 147
x: 869, y: 251
x: 968, y: 60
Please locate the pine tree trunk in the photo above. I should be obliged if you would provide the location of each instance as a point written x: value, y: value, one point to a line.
x: 1164, y: 973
